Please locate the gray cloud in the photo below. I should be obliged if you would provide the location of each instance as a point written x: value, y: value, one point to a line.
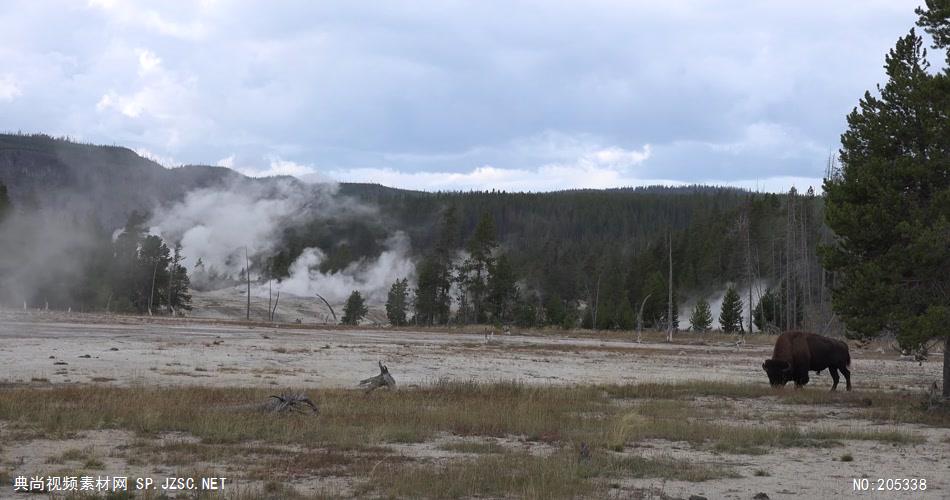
x: 718, y: 91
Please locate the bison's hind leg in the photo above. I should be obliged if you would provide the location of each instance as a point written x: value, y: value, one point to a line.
x: 847, y: 376
x: 834, y: 377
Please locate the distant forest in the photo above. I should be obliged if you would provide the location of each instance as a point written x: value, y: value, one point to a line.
x: 591, y: 258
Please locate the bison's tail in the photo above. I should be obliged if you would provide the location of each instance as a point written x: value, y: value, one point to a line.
x: 847, y: 359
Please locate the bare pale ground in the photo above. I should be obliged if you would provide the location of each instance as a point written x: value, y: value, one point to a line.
x: 46, y: 348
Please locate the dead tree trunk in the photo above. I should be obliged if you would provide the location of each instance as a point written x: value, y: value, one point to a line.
x: 384, y: 379
x: 247, y: 276
x: 151, y: 295
x: 669, y: 312
x: 327, y: 304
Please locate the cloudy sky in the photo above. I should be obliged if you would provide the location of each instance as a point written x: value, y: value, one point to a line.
x: 453, y: 94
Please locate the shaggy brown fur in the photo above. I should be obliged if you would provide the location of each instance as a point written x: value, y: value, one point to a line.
x: 797, y: 353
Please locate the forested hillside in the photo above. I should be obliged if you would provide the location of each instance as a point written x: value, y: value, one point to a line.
x: 105, y: 182
x: 596, y: 258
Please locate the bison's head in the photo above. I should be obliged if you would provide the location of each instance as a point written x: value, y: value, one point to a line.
x: 779, y: 372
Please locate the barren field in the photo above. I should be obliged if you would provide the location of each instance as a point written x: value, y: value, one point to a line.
x: 533, y: 414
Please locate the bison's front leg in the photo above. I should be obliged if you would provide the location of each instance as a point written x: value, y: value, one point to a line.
x: 801, y: 380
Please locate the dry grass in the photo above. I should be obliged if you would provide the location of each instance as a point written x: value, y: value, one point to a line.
x: 348, y: 419
x: 473, y: 447
x: 561, y: 475
x: 348, y: 437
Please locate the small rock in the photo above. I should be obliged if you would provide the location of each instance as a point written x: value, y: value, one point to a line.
x: 760, y: 496
x: 113, y: 348
x: 60, y: 363
x: 85, y: 356
x: 52, y: 357
x: 697, y: 497
x: 682, y: 353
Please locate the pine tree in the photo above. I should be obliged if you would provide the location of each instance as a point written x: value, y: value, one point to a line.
x: 475, y: 270
x: 730, y: 318
x: 6, y: 206
x: 626, y: 318
x: 554, y: 310
x: 179, y: 296
x: 355, y: 309
x: 701, y: 318
x: 887, y: 203
x: 502, y: 291
x: 766, y: 312
x: 427, y: 304
x: 432, y: 300
x: 397, y: 302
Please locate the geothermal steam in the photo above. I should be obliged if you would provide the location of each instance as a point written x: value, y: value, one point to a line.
x: 216, y: 225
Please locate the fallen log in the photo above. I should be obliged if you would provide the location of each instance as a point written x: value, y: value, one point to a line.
x: 384, y: 379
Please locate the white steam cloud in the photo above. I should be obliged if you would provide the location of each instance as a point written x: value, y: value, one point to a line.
x: 215, y: 225
x: 371, y: 277
x: 715, y: 303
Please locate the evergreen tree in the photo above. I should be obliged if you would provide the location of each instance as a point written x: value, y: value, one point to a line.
x: 179, y: 296
x: 444, y: 253
x: 502, y: 291
x: 152, y: 275
x: 433, y: 300
x: 397, y: 302
x: 570, y: 317
x: 701, y: 318
x: 730, y: 318
x: 766, y: 313
x: 626, y: 318
x: 354, y: 310
x: 428, y: 306
x: 476, y: 268
x: 554, y: 310
x: 525, y: 310
x: 888, y: 202
x: 6, y: 206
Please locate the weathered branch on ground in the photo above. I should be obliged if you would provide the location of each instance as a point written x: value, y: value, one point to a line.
x: 290, y: 403
x: 384, y: 379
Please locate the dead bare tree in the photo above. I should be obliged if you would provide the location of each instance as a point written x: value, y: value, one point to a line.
x: 151, y: 295
x: 669, y: 313
x: 328, y: 306
x: 384, y: 379
x: 640, y: 317
x: 247, y: 276
x: 273, y: 312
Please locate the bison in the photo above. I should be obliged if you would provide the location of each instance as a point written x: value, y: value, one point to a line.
x: 797, y: 353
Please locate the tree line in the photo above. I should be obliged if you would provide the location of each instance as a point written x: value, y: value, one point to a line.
x: 481, y: 273
x: 52, y: 261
